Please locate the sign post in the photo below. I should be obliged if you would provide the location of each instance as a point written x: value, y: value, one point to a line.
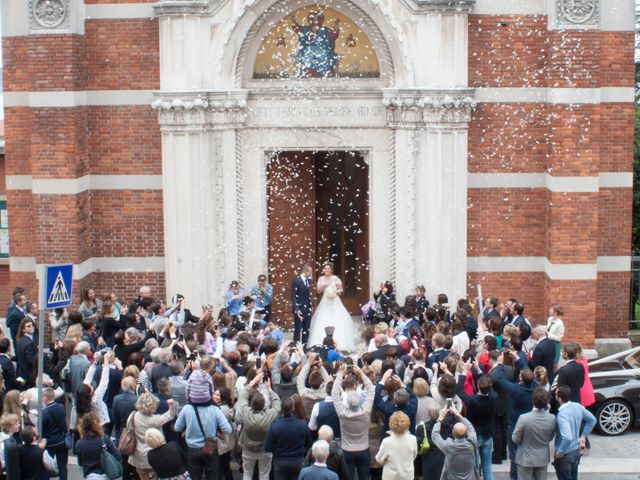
x: 56, y: 291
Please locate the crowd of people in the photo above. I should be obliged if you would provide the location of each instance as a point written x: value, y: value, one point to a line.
x: 434, y: 392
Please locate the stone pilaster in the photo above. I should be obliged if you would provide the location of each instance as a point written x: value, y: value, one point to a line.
x: 431, y: 147
x: 200, y: 191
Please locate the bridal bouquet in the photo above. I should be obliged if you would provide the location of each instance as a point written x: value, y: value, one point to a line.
x: 331, y: 292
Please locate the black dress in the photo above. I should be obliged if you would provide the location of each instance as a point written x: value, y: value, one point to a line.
x: 168, y: 461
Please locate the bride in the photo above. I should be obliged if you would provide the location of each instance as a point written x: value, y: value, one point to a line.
x: 331, y: 313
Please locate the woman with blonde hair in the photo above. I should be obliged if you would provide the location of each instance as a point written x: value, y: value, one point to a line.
x: 167, y: 460
x: 397, y: 452
x: 12, y: 404
x: 542, y: 377
x: 425, y: 402
x: 90, y: 445
x: 142, y: 420
x: 9, y: 427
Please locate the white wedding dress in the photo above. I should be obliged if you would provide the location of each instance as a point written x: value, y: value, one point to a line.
x: 332, y: 313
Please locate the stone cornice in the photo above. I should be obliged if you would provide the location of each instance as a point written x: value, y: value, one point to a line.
x: 434, y: 108
x: 224, y: 109
x: 440, y: 6
x: 184, y: 7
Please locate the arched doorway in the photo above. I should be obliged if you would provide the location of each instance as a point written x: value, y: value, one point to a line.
x: 318, y: 206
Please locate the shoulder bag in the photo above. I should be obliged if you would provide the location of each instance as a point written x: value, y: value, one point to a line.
x: 127, y: 443
x: 210, y: 446
x: 110, y: 465
x: 425, y: 446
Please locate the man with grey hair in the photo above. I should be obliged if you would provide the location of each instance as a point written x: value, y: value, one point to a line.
x: 162, y: 370
x: 319, y: 470
x: 354, y: 423
x: 78, y: 366
x: 545, y: 351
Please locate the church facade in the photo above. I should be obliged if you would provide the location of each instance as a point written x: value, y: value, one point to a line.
x: 448, y: 143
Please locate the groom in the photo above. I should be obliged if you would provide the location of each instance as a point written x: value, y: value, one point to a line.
x: 301, y: 304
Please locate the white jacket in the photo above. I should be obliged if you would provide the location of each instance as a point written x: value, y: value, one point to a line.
x: 396, y: 455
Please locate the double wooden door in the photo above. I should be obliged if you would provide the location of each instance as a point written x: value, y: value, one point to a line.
x: 318, y: 210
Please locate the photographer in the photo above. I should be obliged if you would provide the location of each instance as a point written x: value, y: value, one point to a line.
x: 262, y: 294
x: 286, y: 364
x: 317, y: 381
x: 459, y: 451
x: 354, y: 418
x: 256, y: 420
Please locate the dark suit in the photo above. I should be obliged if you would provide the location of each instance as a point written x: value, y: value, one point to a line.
x: 123, y: 404
x: 519, y: 403
x: 9, y: 373
x: 31, y: 466
x: 572, y: 374
x: 301, y: 301
x: 543, y: 355
x: 26, y: 356
x: 13, y: 322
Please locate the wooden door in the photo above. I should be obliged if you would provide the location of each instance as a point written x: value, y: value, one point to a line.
x: 342, y: 209
x: 291, y: 209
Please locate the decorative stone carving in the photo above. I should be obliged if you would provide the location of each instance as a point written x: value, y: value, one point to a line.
x: 577, y: 13
x: 404, y: 112
x: 206, y: 110
x: 448, y: 110
x: 417, y: 108
x: 49, y: 14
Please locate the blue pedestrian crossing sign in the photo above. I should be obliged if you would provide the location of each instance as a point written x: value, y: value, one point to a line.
x: 59, y: 285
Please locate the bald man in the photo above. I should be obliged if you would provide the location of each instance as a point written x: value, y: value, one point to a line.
x: 459, y: 452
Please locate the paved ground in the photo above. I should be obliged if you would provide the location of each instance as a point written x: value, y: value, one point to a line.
x: 611, y: 458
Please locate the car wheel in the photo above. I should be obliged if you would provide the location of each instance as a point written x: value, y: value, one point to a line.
x: 614, y: 417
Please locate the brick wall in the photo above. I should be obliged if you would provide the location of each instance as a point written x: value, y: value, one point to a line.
x: 123, y: 55
x: 506, y: 222
x: 509, y: 138
x: 507, y: 50
x: 504, y: 51
x: 124, y: 141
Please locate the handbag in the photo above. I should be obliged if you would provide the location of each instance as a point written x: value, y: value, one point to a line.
x: 425, y: 446
x: 50, y: 464
x: 110, y: 465
x: 127, y: 443
x: 210, y: 445
x: 68, y: 441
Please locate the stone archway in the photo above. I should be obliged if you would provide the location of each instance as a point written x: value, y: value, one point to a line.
x: 219, y: 127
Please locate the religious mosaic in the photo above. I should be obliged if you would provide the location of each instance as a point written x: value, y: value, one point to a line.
x: 316, y: 42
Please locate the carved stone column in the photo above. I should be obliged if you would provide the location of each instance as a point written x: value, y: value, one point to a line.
x: 405, y: 116
x: 431, y: 173
x: 444, y: 191
x: 199, y: 181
